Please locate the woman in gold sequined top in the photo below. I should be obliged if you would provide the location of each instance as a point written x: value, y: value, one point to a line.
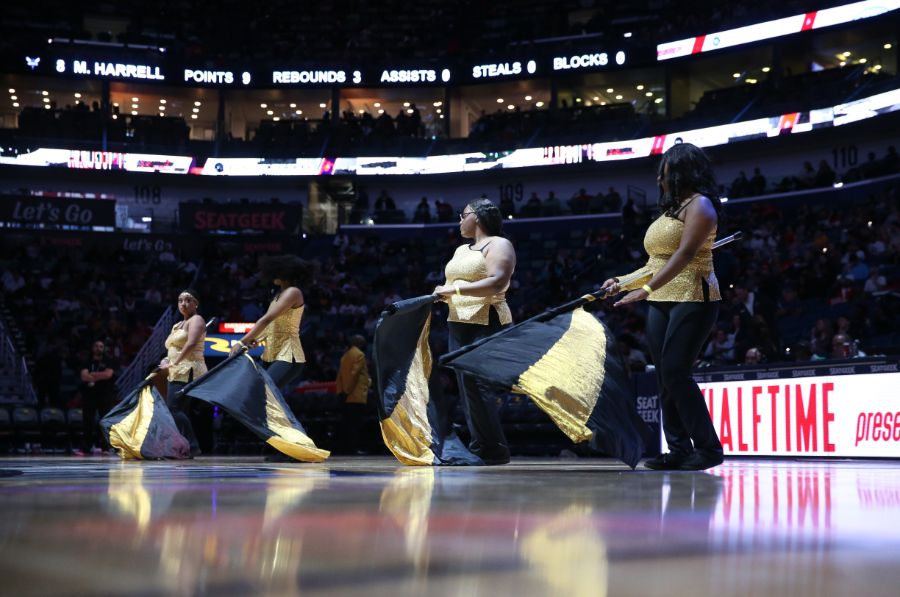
x: 680, y: 286
x: 279, y: 329
x: 184, y: 362
x: 478, y: 277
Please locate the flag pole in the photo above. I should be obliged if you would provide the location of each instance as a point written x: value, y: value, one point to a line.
x: 574, y: 304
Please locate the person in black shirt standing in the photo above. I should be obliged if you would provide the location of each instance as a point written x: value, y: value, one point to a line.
x: 97, y: 392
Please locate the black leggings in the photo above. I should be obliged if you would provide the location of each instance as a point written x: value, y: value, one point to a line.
x: 675, y: 334
x: 480, y: 399
x: 178, y: 405
x: 284, y: 373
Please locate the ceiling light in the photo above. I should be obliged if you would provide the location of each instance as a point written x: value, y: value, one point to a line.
x: 362, y: 111
x: 162, y: 101
x: 862, y: 61
x: 499, y: 100
x: 577, y: 100
x: 843, y: 63
x: 766, y: 69
x: 438, y: 110
x: 195, y: 110
x: 276, y: 119
x: 602, y: 103
x: 540, y: 104
x: 751, y: 81
x: 657, y: 100
x: 886, y: 47
x: 115, y: 116
x: 264, y: 106
x: 527, y: 98
x: 293, y: 105
x: 115, y: 104
x: 510, y: 107
x: 627, y: 34
x: 196, y: 103
x: 618, y: 97
x: 47, y: 106
x: 46, y: 100
x: 377, y: 104
x: 14, y: 97
x: 596, y: 98
x: 649, y: 94
x: 640, y: 87
x: 409, y: 110
x: 77, y: 95
x: 269, y: 112
x: 134, y: 106
x: 194, y: 116
x: 405, y: 104
x: 323, y: 106
x: 134, y: 99
x: 437, y: 104
x: 15, y: 104
x: 134, y: 112
x: 11, y: 90
x: 45, y: 93
x: 610, y: 90
x: 162, y: 108
x: 381, y: 111
x: 846, y: 54
x: 299, y: 112
x: 736, y: 75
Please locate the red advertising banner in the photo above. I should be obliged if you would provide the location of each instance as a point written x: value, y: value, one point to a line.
x: 831, y: 415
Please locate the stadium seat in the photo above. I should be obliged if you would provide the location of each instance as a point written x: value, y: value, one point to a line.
x: 53, y: 429
x: 26, y: 425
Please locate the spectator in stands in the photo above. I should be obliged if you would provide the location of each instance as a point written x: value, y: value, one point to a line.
x: 613, y: 200
x: 97, y: 393
x: 385, y: 202
x: 478, y: 277
x: 825, y: 176
x: 551, y: 205
x: 753, y: 356
x: 532, y: 207
x: 720, y: 350
x: 807, y: 177
x: 184, y: 362
x: 757, y: 183
x: 740, y: 186
x: 580, y: 202
x: 352, y: 388
x: 423, y: 212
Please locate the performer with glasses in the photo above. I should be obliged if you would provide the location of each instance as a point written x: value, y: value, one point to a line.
x: 477, y: 278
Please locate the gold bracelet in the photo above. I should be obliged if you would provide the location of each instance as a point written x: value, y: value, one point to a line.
x: 646, y: 288
x: 456, y: 287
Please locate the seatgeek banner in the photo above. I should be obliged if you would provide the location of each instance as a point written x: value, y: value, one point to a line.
x: 847, y: 416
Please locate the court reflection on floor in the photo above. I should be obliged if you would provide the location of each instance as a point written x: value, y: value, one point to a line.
x: 536, y: 528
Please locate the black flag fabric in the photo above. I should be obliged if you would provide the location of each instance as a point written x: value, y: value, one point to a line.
x: 566, y: 361
x: 414, y: 417
x: 246, y: 392
x: 140, y: 427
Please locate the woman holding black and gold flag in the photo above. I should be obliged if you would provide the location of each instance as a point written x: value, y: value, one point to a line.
x: 681, y: 288
x: 279, y: 328
x: 184, y: 362
x: 478, y: 276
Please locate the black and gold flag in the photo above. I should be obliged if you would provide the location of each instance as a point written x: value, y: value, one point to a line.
x: 414, y: 417
x: 566, y: 361
x: 246, y: 392
x: 140, y: 427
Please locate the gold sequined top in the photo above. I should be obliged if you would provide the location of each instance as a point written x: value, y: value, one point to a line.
x: 661, y: 241
x: 192, y: 362
x: 468, y: 265
x: 282, y: 337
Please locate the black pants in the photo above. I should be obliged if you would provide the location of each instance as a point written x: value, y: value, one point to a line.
x: 178, y: 406
x: 480, y: 399
x: 675, y: 334
x: 284, y: 373
x: 94, y: 405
